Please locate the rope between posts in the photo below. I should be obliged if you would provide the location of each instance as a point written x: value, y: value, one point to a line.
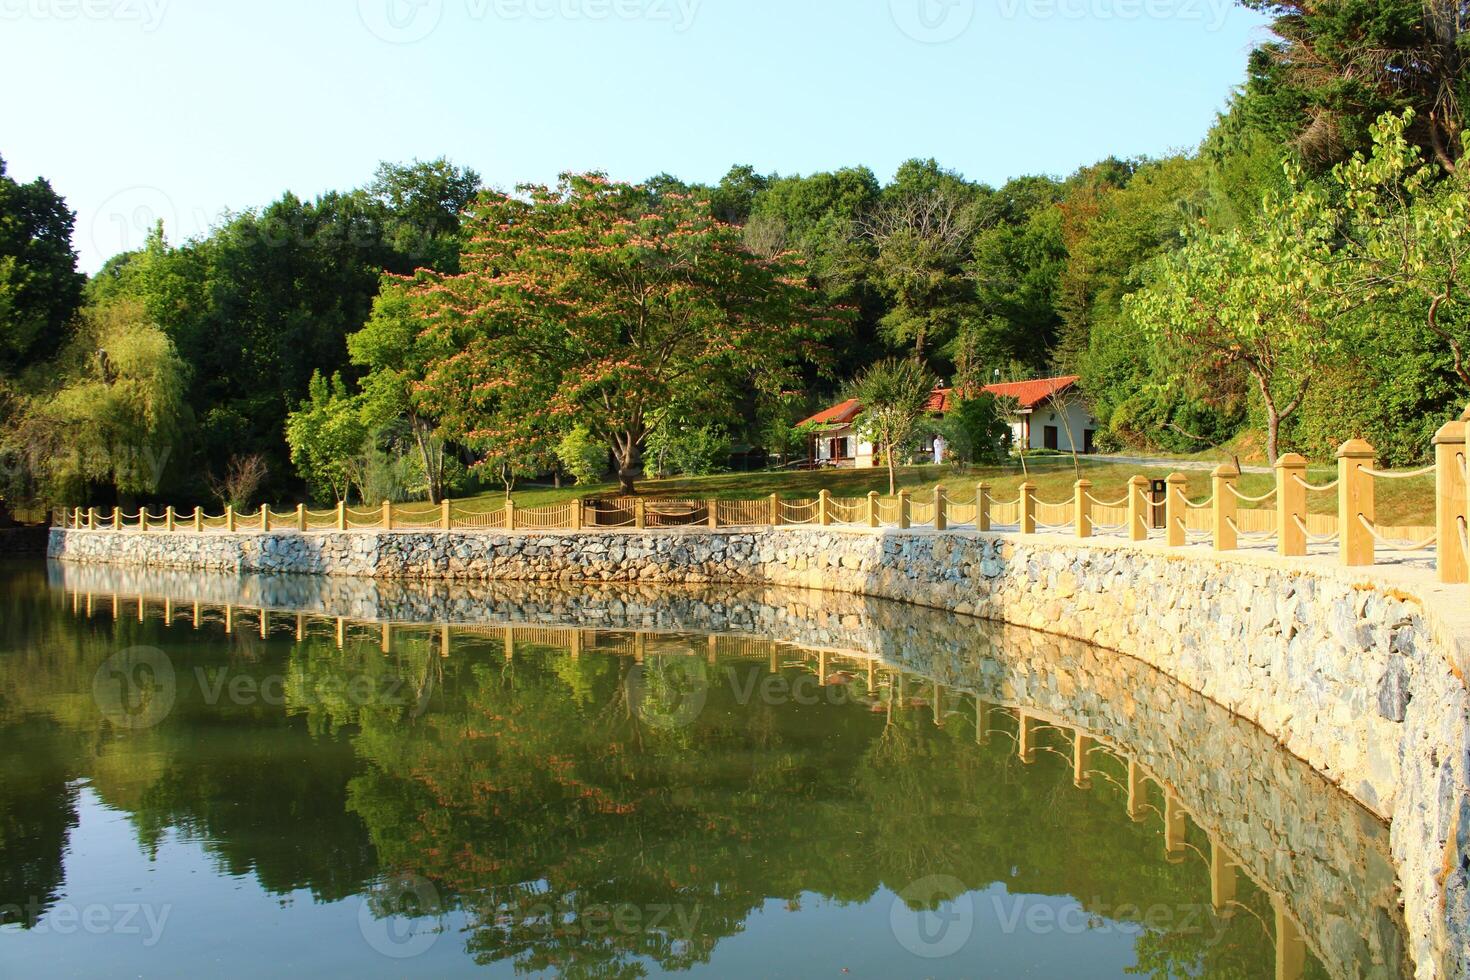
x: 1107, y: 503
x: 1464, y: 536
x: 1249, y: 535
x: 1396, y: 545
x: 1250, y: 500
x: 1314, y: 538
x: 1323, y: 488
x: 1202, y: 505
x: 1389, y: 475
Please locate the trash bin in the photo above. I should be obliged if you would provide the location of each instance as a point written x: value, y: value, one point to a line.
x: 1159, y: 491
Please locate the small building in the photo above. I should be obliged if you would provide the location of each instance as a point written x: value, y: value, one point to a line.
x: 1046, y: 413
x: 1049, y: 413
x: 834, y: 439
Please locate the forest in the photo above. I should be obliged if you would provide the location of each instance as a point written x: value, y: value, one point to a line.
x: 1298, y: 278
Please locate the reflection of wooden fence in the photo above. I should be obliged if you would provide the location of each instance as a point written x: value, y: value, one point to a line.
x: 1225, y: 518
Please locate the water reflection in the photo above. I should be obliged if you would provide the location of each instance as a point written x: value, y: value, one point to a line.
x: 612, y: 782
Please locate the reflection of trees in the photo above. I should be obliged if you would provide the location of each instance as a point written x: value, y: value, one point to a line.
x: 247, y: 780
x: 538, y: 802
x: 534, y: 809
x: 37, y: 810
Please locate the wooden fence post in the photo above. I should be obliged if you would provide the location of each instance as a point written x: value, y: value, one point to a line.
x: 1227, y: 507
x: 982, y: 507
x: 301, y: 518
x: 92, y: 518
x: 230, y: 518
x: 1451, y: 499
x: 1028, y: 508
x: 1291, y: 505
x: 714, y: 514
x: 775, y: 512
x: 265, y: 517
x: 387, y: 515
x: 824, y: 508
x: 577, y: 516
x: 117, y: 519
x: 905, y: 513
x: 446, y: 519
x: 1175, y: 511
x: 1082, y: 508
x: 1355, y: 503
x: 198, y: 520
x: 342, y: 515
x: 168, y: 518
x: 874, y: 518
x: 510, y: 514
x: 941, y: 509
x: 1138, y: 509
x: 640, y: 513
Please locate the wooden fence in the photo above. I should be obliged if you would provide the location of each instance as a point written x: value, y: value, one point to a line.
x: 1226, y: 519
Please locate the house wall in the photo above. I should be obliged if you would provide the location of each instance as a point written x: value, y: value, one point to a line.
x: 1072, y: 420
x: 859, y: 451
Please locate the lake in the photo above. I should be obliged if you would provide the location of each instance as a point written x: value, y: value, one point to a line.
x: 208, y: 775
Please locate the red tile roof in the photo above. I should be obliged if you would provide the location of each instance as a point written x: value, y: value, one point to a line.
x: 1033, y: 393
x: 837, y: 414
x: 1028, y: 394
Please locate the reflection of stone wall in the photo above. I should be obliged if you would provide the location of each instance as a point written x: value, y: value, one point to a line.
x: 1361, y: 681
x: 1287, y: 826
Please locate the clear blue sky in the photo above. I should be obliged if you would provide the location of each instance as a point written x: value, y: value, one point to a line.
x: 187, y: 108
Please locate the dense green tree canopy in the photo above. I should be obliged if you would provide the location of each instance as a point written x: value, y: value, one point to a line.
x: 40, y: 288
x: 1026, y: 279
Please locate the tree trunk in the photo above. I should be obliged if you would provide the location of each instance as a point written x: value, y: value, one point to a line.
x: 430, y: 477
x: 1273, y: 433
x: 630, y: 461
x: 892, y: 473
x: 1275, y: 416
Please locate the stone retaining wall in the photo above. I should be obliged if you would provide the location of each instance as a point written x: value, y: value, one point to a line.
x: 1362, y: 678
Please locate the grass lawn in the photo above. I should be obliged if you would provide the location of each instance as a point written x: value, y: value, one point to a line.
x: 1400, y: 502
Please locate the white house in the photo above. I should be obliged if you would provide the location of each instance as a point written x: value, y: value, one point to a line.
x: 1048, y: 413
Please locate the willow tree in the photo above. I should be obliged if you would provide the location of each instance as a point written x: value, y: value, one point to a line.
x: 600, y: 304
x: 118, y: 414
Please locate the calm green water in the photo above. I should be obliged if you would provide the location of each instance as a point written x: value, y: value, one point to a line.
x: 619, y: 802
